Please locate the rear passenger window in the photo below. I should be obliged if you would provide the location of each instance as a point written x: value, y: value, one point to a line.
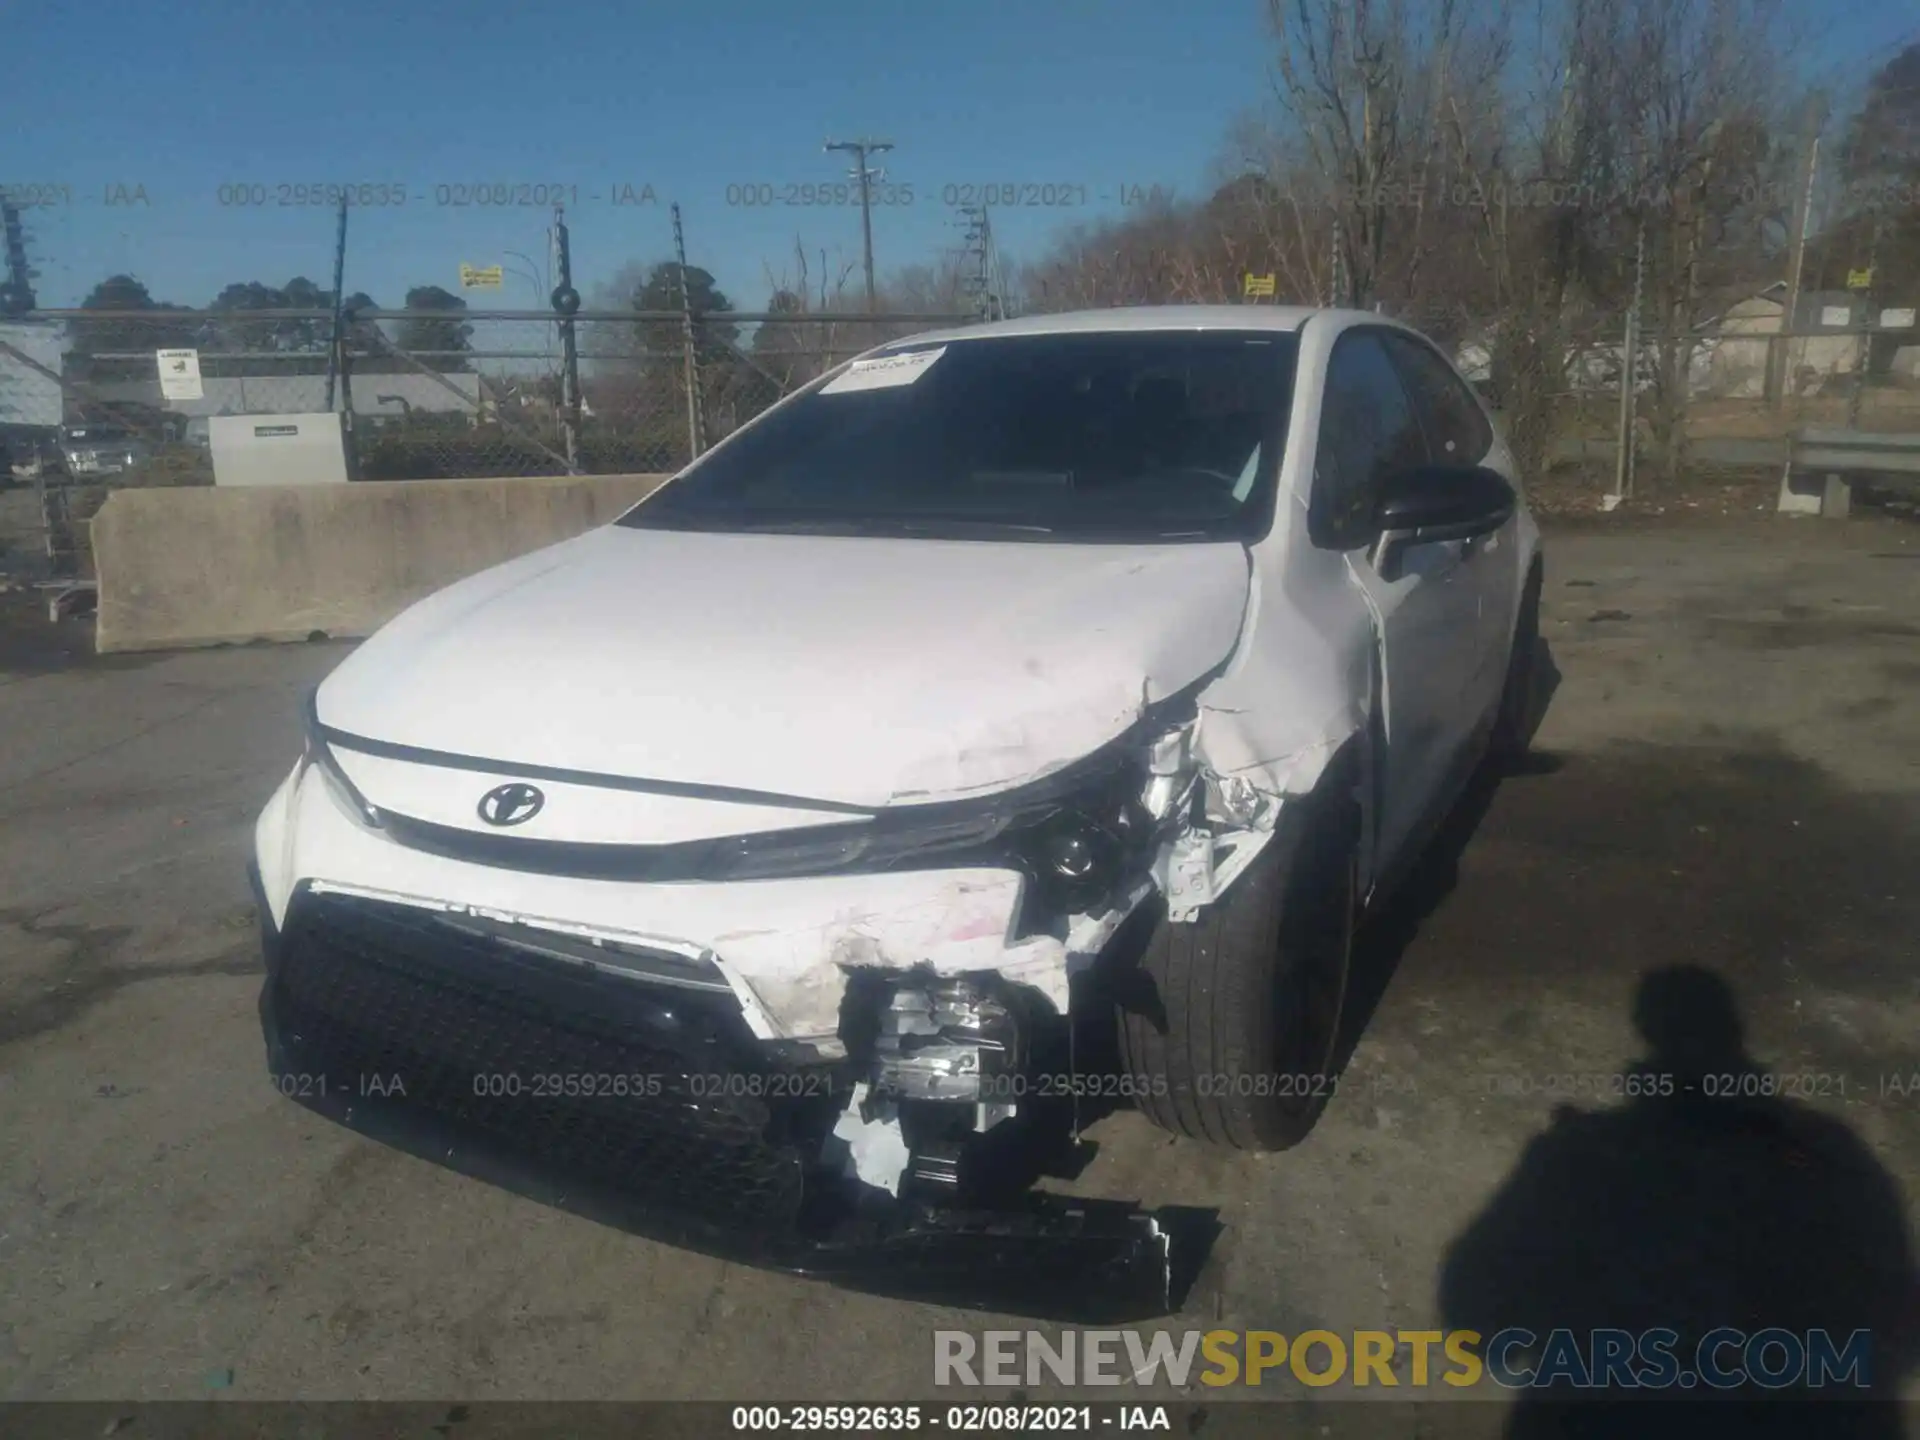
x: 1367, y: 432
x: 1456, y: 429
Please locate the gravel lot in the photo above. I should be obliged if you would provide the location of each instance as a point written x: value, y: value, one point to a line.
x: 1730, y: 778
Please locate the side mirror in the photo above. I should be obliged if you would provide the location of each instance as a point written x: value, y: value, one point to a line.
x: 1438, y: 502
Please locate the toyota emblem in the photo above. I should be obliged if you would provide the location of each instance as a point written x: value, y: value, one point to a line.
x: 511, y: 804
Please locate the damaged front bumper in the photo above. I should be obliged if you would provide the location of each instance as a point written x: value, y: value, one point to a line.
x: 652, y: 1107
x: 804, y: 1048
x: 1029, y: 885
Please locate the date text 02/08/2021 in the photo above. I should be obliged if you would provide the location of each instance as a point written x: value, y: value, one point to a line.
x: 1648, y: 1084
x: 955, y: 1419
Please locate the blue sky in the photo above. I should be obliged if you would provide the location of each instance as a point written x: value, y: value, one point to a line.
x: 686, y: 96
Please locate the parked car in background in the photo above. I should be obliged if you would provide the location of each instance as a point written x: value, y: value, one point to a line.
x: 101, y: 449
x: 34, y: 456
x: 745, y: 854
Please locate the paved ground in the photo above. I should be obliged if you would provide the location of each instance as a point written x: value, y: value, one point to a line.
x: 1733, y: 780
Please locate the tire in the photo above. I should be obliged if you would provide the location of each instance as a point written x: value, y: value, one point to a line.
x: 1230, y: 1029
x: 1513, y: 721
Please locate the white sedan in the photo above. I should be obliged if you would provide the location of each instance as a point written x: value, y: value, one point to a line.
x: 747, y: 857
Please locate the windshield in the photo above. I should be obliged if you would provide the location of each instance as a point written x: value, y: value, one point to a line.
x: 1121, y: 436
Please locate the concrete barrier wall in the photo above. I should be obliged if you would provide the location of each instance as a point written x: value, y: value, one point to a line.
x: 206, y: 566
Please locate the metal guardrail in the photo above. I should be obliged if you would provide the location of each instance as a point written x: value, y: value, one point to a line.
x: 1858, y: 451
x: 1840, y: 458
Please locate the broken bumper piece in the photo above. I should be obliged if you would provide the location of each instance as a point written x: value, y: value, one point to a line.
x: 652, y: 1108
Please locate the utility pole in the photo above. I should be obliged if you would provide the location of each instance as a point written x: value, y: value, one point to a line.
x: 1865, y: 355
x: 336, y: 342
x: 1337, y: 285
x: 566, y: 304
x: 1682, y: 320
x: 860, y: 149
x: 1629, y: 372
x: 689, y: 360
x: 1779, y: 354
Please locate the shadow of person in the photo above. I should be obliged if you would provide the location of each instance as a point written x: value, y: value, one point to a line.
x: 1702, y: 1202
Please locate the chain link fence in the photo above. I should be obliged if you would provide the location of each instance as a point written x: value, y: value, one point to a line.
x: 433, y: 394
x: 442, y: 392
x: 451, y: 393
x: 1624, y: 411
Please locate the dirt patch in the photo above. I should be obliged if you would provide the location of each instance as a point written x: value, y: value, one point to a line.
x: 1706, y: 491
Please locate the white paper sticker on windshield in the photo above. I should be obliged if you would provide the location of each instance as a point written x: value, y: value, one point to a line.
x: 883, y: 372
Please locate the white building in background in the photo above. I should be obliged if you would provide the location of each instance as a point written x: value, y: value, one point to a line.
x: 1825, y: 343
x: 1728, y: 359
x: 1594, y: 369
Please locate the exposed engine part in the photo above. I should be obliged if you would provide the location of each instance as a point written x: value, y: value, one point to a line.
x: 947, y: 1052
x: 1170, y: 774
x: 948, y: 1038
x: 937, y: 1166
x: 1198, y: 866
x: 876, y: 1148
x: 1185, y: 875
x: 1235, y: 800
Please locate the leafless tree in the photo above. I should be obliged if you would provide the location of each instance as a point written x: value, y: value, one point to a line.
x: 1485, y: 169
x: 1696, y: 100
x: 1361, y: 85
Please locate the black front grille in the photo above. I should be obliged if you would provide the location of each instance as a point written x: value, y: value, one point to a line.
x: 532, y: 1051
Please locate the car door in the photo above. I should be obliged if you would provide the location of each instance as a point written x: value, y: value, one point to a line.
x: 1458, y: 433
x: 1426, y: 616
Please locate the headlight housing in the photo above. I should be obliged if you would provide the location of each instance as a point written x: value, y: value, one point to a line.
x: 1081, y: 851
x: 1078, y: 834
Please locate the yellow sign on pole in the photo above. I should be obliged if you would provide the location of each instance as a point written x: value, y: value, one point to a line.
x: 1860, y: 279
x: 477, y: 277
x: 1259, y: 285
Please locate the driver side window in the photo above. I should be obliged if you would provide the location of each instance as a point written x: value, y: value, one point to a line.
x: 1457, y: 431
x: 1367, y: 432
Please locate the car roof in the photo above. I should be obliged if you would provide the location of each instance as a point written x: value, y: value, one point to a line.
x: 1139, y: 318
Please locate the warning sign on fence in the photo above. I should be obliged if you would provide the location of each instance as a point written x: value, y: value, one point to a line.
x: 179, y: 374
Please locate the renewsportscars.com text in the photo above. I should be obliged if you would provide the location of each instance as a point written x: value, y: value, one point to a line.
x: 1513, y: 1358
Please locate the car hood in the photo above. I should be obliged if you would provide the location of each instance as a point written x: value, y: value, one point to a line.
x: 858, y: 671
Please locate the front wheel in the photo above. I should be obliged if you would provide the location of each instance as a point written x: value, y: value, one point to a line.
x: 1230, y: 1030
